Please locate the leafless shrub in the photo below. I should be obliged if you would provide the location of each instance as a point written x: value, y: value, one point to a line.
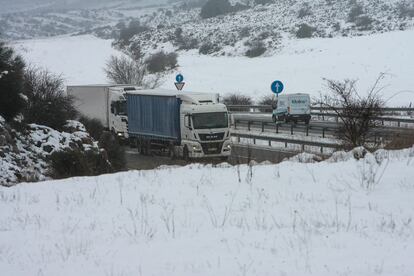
x: 237, y: 99
x: 267, y: 100
x: 47, y: 103
x: 124, y: 70
x: 401, y: 142
x: 357, y: 114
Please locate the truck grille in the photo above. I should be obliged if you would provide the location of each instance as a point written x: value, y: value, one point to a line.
x: 212, y: 136
x: 212, y: 148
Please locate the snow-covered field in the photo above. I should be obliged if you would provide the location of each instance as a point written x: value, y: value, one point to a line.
x: 80, y: 59
x: 339, y: 217
x: 302, y: 65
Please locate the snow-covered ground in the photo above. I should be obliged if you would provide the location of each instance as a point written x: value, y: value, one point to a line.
x: 302, y: 65
x: 338, y: 217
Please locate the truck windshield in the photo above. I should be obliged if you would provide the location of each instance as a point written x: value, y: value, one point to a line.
x: 210, y: 120
x: 122, y: 108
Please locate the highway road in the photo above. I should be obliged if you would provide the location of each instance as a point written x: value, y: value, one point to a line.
x: 241, y: 154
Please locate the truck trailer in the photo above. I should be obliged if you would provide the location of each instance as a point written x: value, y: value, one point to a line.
x: 183, y: 124
x: 107, y: 103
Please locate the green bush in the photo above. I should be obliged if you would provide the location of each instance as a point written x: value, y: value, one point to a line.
x: 74, y: 162
x: 11, y: 82
x: 257, y: 49
x: 305, y: 31
x: 134, y: 28
x: 208, y: 48
x: 93, y: 126
x: 114, y: 151
x: 355, y: 11
x: 161, y: 61
x: 214, y: 8
x: 405, y: 9
x: 304, y: 11
x: 364, y: 23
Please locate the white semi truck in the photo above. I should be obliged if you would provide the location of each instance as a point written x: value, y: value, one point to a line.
x: 186, y: 124
x: 107, y: 103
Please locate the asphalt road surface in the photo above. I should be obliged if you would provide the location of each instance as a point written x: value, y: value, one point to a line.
x: 240, y: 155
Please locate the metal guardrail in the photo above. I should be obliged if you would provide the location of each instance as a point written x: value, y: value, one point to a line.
x: 386, y: 109
x: 306, y: 129
x: 286, y: 141
x: 248, y: 109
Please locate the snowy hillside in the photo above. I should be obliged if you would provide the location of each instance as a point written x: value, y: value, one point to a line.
x: 302, y: 65
x: 339, y: 217
x: 36, y: 19
x: 269, y: 27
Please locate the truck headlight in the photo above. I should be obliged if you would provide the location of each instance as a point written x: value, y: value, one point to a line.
x: 120, y: 134
x: 228, y: 147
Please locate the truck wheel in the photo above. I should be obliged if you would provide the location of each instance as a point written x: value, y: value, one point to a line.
x: 286, y: 119
x: 172, y: 153
x: 186, y: 155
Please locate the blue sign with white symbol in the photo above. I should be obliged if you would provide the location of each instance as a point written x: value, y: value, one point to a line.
x: 277, y: 87
x: 179, y: 78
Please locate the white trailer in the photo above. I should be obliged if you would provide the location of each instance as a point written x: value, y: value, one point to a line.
x: 107, y: 103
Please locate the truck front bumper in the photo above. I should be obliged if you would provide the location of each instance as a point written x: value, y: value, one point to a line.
x: 207, y: 150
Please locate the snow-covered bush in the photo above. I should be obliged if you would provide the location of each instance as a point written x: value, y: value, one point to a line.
x: 159, y: 62
x: 256, y: 49
x: 214, y: 8
x: 75, y: 162
x: 305, y: 31
x: 355, y: 11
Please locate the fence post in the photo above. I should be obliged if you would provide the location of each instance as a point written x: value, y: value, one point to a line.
x: 238, y: 139
x: 248, y: 125
x: 323, y: 133
x: 285, y: 144
x: 263, y: 126
x: 399, y: 124
x: 303, y: 147
x: 291, y: 129
x: 277, y: 128
x: 270, y: 143
x: 235, y: 124
x: 321, y: 150
x: 307, y: 130
x: 254, y: 141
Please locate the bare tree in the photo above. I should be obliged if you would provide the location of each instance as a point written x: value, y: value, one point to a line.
x: 125, y: 70
x: 357, y: 114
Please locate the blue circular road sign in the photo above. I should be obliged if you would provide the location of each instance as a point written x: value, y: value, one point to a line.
x: 179, y: 78
x: 277, y: 87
